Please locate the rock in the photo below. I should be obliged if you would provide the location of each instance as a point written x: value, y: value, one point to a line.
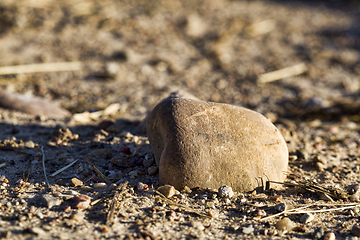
x: 75, y: 182
x: 226, y: 192
x: 167, y: 190
x: 148, y: 161
x: 78, y: 216
x: 355, y: 230
x: 153, y: 170
x: 37, y: 231
x: 248, y: 230
x: 285, y: 224
x: 49, y: 201
x: 208, y: 145
x: 307, y: 217
x: 100, y: 185
x: 142, y: 187
x: 80, y: 202
x: 196, y: 27
x: 318, y: 233
x: 329, y: 236
x: 280, y: 207
x: 29, y: 144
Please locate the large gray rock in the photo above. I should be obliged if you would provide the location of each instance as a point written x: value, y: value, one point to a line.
x: 208, y: 145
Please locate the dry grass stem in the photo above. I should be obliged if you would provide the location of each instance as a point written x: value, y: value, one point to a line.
x: 282, y: 73
x: 63, y: 169
x: 43, y: 163
x: 41, y: 67
x: 296, y: 210
x: 316, y: 188
x: 261, y: 28
x: 101, y: 175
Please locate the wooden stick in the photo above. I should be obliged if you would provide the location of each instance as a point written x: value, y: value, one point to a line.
x: 282, y: 73
x: 41, y: 67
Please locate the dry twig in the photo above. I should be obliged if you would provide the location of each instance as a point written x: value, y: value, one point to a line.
x: 41, y: 67
x: 315, y: 187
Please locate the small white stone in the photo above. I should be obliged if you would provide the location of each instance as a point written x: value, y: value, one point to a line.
x: 248, y: 230
x: 101, y: 185
x: 285, y: 224
x: 226, y: 192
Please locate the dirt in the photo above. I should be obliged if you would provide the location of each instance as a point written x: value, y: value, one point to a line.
x: 134, y: 53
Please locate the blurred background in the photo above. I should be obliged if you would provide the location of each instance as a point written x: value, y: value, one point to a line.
x: 137, y: 52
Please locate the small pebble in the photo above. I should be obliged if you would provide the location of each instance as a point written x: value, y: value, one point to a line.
x: 167, y: 190
x: 37, y: 231
x: 187, y: 190
x: 319, y: 233
x: 152, y: 170
x: 277, y: 198
x: 234, y: 227
x: 133, y: 174
x: 72, y: 192
x: 354, y: 198
x: 355, y: 230
x: 148, y: 161
x: 213, y: 213
x: 49, y: 201
x: 80, y: 202
x: 126, y: 150
x: 226, y: 192
x: 351, y: 238
x: 330, y: 236
x: 197, y: 225
x: 248, y: 230
x: 29, y: 144
x: 76, y: 182
x: 307, y: 217
x: 78, y: 216
x: 354, y: 188
x: 285, y: 224
x: 100, y: 185
x: 280, y: 207
x: 142, y: 187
